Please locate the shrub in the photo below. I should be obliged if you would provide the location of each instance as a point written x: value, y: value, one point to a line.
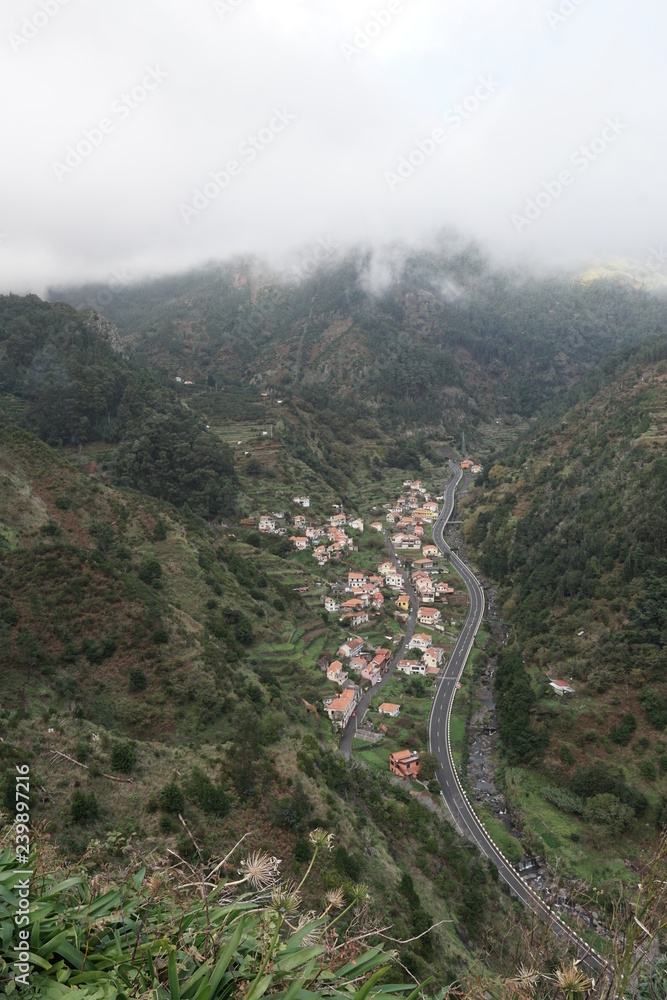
x: 278, y: 604
x: 565, y: 800
x: 172, y: 799
x: 302, y: 850
x: 138, y: 680
x: 123, y: 757
x: 83, y: 808
x: 209, y: 797
x: 96, y: 652
x: 63, y: 503
x: 160, y: 531
x: 622, y: 732
x: 160, y: 636
x: 566, y: 755
x: 648, y: 770
x: 150, y: 571
x: 608, y: 810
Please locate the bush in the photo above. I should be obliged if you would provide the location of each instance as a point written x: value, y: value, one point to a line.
x: 172, y: 799
x: 150, y: 571
x: 96, y: 652
x: 160, y: 636
x: 138, y: 680
x: 565, y: 800
x: 608, y: 810
x: 648, y: 770
x: 566, y: 755
x: 160, y: 531
x: 622, y: 732
x: 83, y: 808
x: 123, y: 757
x: 302, y: 850
x: 210, y: 798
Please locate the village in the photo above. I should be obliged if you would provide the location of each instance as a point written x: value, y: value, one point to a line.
x: 378, y: 592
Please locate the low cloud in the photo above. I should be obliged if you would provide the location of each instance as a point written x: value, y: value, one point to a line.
x: 474, y: 109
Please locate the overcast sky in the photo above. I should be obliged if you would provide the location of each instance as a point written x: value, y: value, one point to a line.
x: 145, y: 136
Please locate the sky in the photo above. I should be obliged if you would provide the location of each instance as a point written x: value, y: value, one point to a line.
x: 144, y: 137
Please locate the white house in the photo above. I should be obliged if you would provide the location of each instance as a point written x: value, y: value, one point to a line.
x: 267, y: 524
x: 331, y: 604
x: 561, y: 688
x: 420, y: 641
x: 428, y: 616
x: 411, y: 667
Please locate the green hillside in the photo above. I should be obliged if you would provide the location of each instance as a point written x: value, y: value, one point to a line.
x: 447, y: 341
x: 571, y: 526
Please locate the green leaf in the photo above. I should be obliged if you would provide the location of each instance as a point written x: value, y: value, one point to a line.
x: 363, y: 991
x: 293, y: 959
x: 7, y: 934
x: 226, y: 956
x: 259, y: 988
x: 70, y: 954
x: 174, y: 988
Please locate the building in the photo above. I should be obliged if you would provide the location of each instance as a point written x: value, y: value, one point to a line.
x: 388, y: 708
x: 267, y: 524
x: 433, y: 657
x: 371, y: 674
x: 409, y: 542
x: 336, y: 673
x: 331, y: 604
x: 351, y: 648
x: 403, y: 602
x: 420, y: 640
x: 561, y: 688
x: 340, y: 709
x: 431, y: 551
x: 300, y: 544
x: 428, y: 616
x: 404, y: 763
x: 411, y: 667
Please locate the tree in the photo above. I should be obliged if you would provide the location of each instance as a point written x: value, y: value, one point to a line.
x: 608, y: 810
x: 429, y: 766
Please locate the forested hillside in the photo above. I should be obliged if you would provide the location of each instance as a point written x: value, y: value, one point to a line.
x: 63, y: 376
x: 572, y: 526
x: 442, y: 339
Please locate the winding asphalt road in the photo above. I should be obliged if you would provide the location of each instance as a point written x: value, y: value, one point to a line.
x: 455, y: 798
